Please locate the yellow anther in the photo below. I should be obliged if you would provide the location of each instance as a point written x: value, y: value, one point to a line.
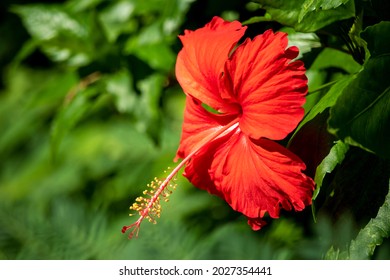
x: 148, y: 206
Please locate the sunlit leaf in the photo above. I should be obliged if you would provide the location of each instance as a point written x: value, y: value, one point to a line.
x: 289, y: 13
x: 81, y: 5
x: 47, y: 22
x: 120, y: 86
x: 304, y: 41
x: 116, y: 19
x: 62, y: 36
x: 315, y: 5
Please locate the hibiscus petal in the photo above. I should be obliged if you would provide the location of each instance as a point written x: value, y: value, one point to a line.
x: 253, y: 176
x: 198, y: 125
x: 269, y: 86
x: 200, y: 63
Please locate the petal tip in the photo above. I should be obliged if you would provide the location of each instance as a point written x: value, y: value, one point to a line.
x: 256, y: 223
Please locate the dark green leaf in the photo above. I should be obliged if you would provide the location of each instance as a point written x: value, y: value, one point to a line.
x: 328, y: 100
x: 328, y: 164
x: 312, y: 143
x: 361, y: 115
x: 356, y: 188
x: 373, y: 233
x: 377, y: 38
x: 289, y: 13
x: 381, y: 8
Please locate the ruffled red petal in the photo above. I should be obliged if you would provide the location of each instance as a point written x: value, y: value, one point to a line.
x: 200, y: 63
x: 253, y: 176
x: 262, y: 88
x: 198, y: 125
x: 269, y: 87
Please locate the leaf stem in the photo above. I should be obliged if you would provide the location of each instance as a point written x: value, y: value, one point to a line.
x: 322, y: 87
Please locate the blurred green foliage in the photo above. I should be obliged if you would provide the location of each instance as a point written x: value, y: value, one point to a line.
x: 90, y: 113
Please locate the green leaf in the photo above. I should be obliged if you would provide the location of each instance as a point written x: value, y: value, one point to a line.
x: 159, y: 56
x: 148, y: 110
x: 329, y: 163
x: 361, y: 115
x: 61, y: 35
x: 304, y: 41
x: 373, y: 233
x: 377, y: 38
x: 81, y: 5
x: 289, y: 13
x: 120, y: 86
x: 29, y: 99
x: 47, y: 22
x: 267, y: 17
x: 334, y: 58
x: 77, y: 103
x: 328, y: 100
x: 316, y: 5
x: 151, y: 47
x: 116, y: 19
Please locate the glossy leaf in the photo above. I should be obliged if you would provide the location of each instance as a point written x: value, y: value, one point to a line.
x: 289, y: 13
x: 315, y: 5
x: 304, y: 41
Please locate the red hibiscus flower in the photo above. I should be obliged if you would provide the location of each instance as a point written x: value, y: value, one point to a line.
x: 239, y: 99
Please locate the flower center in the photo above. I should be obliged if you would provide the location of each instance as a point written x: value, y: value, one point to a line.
x: 148, y: 206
